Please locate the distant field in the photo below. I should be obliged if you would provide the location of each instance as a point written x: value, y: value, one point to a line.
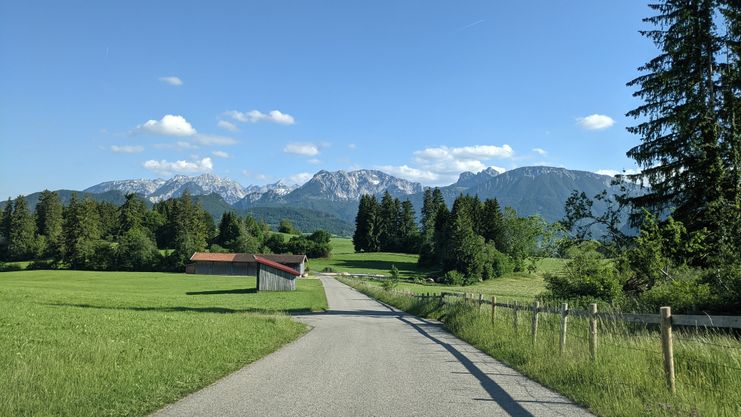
x: 81, y: 344
x: 344, y: 259
x: 516, y: 286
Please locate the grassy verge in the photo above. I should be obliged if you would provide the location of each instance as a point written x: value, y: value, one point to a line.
x: 124, y: 344
x: 626, y: 379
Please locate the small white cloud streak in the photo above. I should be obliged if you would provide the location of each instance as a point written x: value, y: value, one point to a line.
x: 595, y: 122
x: 172, y: 80
x: 127, y: 148
x: 169, y: 125
x: 254, y: 116
x: 304, y: 149
x: 314, y: 161
x: 223, y: 124
x: 220, y: 154
x: 540, y: 151
x: 208, y: 140
x: 165, y: 167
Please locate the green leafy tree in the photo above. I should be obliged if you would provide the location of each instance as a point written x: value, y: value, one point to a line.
x: 136, y: 251
x: 287, y: 227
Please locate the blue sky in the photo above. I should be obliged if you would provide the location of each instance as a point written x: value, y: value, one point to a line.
x: 259, y: 91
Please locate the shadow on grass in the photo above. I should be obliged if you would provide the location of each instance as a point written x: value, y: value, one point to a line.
x: 217, y: 292
x: 176, y: 309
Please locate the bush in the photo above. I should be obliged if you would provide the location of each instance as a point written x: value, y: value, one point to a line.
x: 588, y: 276
x: 684, y: 293
x: 9, y: 267
x: 391, y: 282
x: 453, y: 278
x: 41, y: 265
x: 328, y: 269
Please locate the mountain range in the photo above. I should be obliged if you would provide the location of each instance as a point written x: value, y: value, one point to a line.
x: 329, y: 199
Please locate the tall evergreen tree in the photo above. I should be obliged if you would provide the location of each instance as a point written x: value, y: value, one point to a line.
x: 5, y: 227
x: 432, y: 204
x: 409, y: 238
x: 367, y: 228
x: 231, y: 231
x: 492, y: 223
x: 49, y: 221
x: 680, y: 151
x: 388, y: 223
x: 82, y: 231
x: 21, y: 239
x: 132, y: 214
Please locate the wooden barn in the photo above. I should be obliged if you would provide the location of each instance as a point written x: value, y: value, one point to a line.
x: 243, y: 264
x: 272, y: 276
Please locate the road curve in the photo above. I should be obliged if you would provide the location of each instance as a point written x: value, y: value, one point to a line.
x: 365, y: 359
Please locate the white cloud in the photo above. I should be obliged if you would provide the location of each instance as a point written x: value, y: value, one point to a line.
x: 540, y: 151
x: 223, y: 124
x: 165, y: 167
x: 172, y: 80
x: 410, y: 173
x: 305, y: 149
x: 180, y: 145
x: 352, y: 146
x: 614, y: 172
x: 169, y: 125
x: 127, y: 148
x: 255, y: 116
x: 595, y: 122
x: 220, y: 154
x: 300, y: 178
x: 206, y: 140
x: 314, y: 161
x: 443, y: 164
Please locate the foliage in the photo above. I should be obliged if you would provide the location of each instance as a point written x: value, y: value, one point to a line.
x: 287, y: 227
x: 586, y: 276
x: 386, y: 227
x: 21, y: 234
x: 454, y: 277
x: 9, y: 267
x: 392, y: 281
x: 136, y: 251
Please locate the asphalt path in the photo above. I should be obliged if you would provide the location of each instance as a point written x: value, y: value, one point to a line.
x: 363, y: 358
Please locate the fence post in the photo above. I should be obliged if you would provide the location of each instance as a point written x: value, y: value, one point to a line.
x: 593, y: 331
x: 481, y: 300
x: 667, y: 348
x: 536, y: 307
x: 564, y: 318
x: 493, y: 308
x: 515, y: 318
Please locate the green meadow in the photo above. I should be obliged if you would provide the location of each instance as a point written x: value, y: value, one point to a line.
x: 344, y: 259
x: 79, y: 344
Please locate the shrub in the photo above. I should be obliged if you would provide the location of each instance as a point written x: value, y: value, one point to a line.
x: 685, y: 292
x: 41, y: 265
x: 9, y: 267
x: 391, y: 282
x: 588, y: 275
x: 453, y: 278
x: 328, y: 269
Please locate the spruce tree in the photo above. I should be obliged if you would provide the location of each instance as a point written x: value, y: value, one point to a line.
x: 388, y: 222
x: 21, y: 239
x: 49, y: 221
x: 408, y: 230
x: 366, y: 236
x: 680, y: 152
x: 81, y: 230
x: 492, y: 223
x: 132, y: 214
x: 5, y: 227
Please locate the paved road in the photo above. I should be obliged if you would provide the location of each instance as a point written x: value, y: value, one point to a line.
x: 365, y: 359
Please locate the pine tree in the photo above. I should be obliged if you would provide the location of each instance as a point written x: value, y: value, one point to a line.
x: 81, y: 230
x: 231, y: 231
x: 409, y: 237
x: 132, y: 214
x: 367, y: 228
x: 493, y: 223
x: 433, y: 204
x: 49, y: 221
x: 388, y: 223
x: 5, y: 227
x: 679, y: 152
x: 21, y: 239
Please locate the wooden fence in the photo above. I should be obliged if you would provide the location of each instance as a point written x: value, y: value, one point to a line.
x: 665, y: 319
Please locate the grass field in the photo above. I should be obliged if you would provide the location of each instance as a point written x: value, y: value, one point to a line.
x: 124, y: 344
x: 627, y: 377
x: 344, y: 259
x: 515, y: 286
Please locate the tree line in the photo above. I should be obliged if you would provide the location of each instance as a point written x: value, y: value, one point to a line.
x: 86, y: 234
x: 474, y: 240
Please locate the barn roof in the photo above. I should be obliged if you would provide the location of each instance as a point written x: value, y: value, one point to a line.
x: 276, y: 265
x: 246, y: 257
